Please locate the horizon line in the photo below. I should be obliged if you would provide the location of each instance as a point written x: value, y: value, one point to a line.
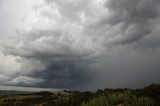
x: 27, y: 89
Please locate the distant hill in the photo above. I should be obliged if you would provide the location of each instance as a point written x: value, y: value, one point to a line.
x: 26, y: 89
x: 13, y: 92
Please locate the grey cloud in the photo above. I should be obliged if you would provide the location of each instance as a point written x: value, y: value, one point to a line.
x: 110, y: 45
x: 128, y: 20
x: 61, y: 71
x: 130, y: 35
x: 70, y: 9
x: 130, y: 12
x: 48, y: 60
x: 65, y: 72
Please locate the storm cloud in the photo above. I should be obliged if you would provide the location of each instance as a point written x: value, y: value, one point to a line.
x: 82, y: 44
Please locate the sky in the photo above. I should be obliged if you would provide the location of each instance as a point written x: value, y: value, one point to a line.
x: 79, y: 44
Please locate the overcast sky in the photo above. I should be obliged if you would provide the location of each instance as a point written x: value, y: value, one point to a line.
x: 79, y: 44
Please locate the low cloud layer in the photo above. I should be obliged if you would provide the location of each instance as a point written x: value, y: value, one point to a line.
x: 82, y: 44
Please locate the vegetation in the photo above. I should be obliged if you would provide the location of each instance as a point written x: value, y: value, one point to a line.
x: 148, y: 96
x: 120, y: 99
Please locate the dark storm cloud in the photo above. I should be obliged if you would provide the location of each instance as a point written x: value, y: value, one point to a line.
x: 139, y: 22
x: 51, y: 62
x: 136, y: 17
x: 129, y: 20
x: 130, y: 23
x: 66, y: 73
x: 60, y: 71
x: 63, y: 71
x: 71, y: 43
x: 130, y: 35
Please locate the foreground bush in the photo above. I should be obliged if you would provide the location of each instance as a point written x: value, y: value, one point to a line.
x: 120, y: 99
